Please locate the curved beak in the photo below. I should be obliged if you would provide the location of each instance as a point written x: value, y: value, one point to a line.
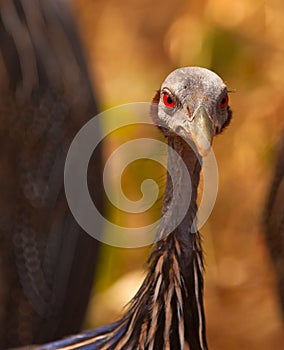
x: 201, y: 130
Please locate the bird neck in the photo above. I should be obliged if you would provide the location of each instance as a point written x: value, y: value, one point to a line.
x: 167, y: 311
x: 178, y: 254
x: 179, y: 204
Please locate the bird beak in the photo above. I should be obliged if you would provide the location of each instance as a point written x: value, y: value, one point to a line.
x: 201, y: 130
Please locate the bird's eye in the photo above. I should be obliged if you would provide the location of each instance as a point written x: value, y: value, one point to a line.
x: 224, y: 102
x: 168, y: 101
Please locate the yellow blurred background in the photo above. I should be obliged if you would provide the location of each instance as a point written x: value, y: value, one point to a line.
x: 131, y: 46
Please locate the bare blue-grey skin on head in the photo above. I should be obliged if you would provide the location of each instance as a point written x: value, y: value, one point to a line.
x: 200, y: 106
x: 167, y: 312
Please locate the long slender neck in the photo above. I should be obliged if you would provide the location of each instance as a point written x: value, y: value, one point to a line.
x: 179, y: 204
x: 167, y: 312
x: 180, y: 249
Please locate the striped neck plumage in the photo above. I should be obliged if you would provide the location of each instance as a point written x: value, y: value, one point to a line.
x: 177, y: 257
x: 167, y: 312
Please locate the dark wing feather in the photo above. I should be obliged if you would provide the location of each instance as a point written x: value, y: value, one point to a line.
x: 274, y: 222
x: 46, y: 261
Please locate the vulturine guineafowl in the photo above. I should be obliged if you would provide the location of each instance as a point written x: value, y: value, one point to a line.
x: 190, y: 108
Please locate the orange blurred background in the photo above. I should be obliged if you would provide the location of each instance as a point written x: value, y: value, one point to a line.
x: 131, y: 46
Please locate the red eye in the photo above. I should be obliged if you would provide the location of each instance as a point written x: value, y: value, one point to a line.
x: 224, y: 102
x: 168, y: 101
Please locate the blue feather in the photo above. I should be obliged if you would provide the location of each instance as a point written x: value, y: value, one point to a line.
x: 73, y: 342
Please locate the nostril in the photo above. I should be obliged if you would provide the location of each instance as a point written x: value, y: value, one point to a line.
x: 189, y: 113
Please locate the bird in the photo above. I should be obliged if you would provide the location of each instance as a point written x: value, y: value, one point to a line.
x: 190, y: 108
x: 274, y: 222
x: 46, y: 97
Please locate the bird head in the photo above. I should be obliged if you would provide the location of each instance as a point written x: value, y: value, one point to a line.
x: 193, y: 104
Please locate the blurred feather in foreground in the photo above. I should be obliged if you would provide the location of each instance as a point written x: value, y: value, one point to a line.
x: 46, y: 96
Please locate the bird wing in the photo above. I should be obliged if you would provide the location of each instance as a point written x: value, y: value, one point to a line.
x: 46, y: 260
x: 274, y: 222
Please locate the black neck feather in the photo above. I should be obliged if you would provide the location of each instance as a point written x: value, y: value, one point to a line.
x: 167, y: 312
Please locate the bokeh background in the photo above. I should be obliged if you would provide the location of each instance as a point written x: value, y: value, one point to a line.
x: 131, y: 46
